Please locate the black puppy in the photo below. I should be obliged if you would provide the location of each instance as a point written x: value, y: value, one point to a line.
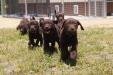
x: 68, y: 39
x: 34, y: 34
x: 50, y: 35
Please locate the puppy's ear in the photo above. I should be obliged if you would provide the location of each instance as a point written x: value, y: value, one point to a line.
x: 80, y: 25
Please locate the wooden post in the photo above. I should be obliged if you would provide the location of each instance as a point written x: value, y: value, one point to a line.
x: 105, y: 8
x: 62, y: 5
x: 89, y: 7
x: 3, y: 7
x: 95, y: 7
x: 26, y: 12
x: 85, y: 7
x: 48, y: 8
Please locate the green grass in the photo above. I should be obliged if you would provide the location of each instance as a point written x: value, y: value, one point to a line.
x: 95, y: 55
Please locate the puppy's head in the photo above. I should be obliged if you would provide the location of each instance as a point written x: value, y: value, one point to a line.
x: 23, y: 26
x: 33, y: 26
x: 71, y: 25
x: 23, y: 30
x: 60, y: 16
x: 47, y: 26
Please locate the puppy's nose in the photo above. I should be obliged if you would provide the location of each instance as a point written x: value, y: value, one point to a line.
x: 72, y: 29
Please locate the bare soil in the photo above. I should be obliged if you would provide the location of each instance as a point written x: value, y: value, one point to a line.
x: 86, y: 22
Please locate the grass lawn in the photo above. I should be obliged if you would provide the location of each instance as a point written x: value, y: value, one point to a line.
x: 95, y: 55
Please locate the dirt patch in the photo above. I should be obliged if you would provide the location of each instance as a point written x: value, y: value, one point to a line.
x: 87, y: 22
x: 8, y: 22
x: 98, y: 22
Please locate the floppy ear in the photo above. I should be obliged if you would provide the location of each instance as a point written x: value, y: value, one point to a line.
x: 80, y: 25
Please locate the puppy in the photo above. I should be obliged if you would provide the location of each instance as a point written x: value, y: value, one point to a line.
x: 23, y: 26
x: 68, y: 39
x: 58, y: 22
x: 34, y: 34
x: 50, y: 35
x: 59, y: 17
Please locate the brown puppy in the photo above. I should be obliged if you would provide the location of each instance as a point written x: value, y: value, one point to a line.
x: 59, y: 22
x: 23, y: 26
x: 68, y: 39
x: 34, y: 34
x: 59, y: 17
x: 50, y: 35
